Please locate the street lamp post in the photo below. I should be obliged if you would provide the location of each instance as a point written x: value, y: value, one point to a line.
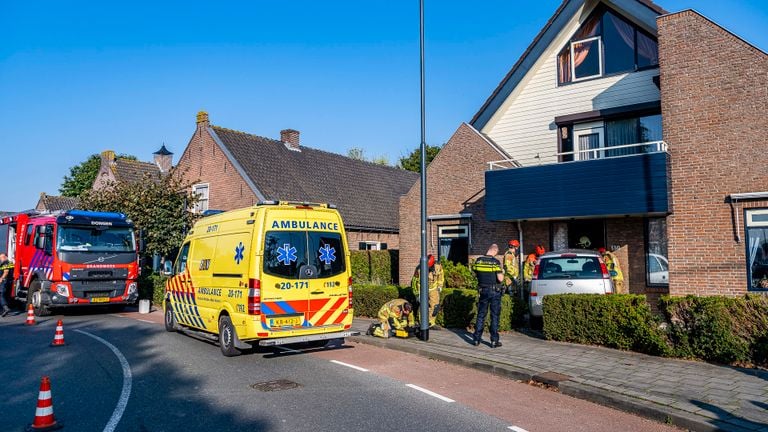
x: 424, y: 272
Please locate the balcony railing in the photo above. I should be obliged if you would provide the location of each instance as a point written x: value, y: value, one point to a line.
x: 580, y: 155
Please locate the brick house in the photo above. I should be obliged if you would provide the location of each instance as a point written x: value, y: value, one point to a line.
x: 640, y: 130
x: 51, y: 203
x: 229, y: 169
x: 116, y: 169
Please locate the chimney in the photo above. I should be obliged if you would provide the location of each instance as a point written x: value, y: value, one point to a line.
x: 202, y: 119
x: 291, y: 138
x: 108, y: 158
x: 163, y: 159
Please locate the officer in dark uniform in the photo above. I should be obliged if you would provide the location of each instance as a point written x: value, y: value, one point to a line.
x: 489, y: 277
x: 6, y: 276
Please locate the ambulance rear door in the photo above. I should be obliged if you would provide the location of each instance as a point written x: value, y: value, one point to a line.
x: 329, y: 290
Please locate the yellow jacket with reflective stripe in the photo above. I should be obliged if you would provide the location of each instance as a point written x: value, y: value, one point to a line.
x: 612, y: 264
x: 393, y: 309
x: 528, y: 270
x: 511, y: 265
x: 436, y: 280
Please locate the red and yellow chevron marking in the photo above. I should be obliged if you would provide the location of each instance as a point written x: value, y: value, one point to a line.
x: 332, y: 311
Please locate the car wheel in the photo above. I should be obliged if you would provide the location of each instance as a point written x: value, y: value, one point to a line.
x: 170, y: 318
x: 35, y: 298
x: 227, y: 337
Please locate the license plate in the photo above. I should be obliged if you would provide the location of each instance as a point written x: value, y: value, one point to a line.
x: 100, y: 300
x: 286, y: 321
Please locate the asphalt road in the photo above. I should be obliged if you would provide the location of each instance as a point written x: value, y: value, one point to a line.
x: 177, y: 383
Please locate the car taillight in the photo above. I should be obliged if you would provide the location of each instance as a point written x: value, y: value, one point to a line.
x: 254, y: 297
x: 536, y: 272
x: 349, y: 291
x: 604, y: 269
x: 534, y: 294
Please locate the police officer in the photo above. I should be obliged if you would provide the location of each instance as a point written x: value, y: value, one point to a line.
x: 436, y: 283
x: 394, y: 315
x: 512, y: 267
x: 489, y: 278
x: 6, y: 275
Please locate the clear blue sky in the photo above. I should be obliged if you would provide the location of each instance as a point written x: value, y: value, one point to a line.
x: 79, y: 77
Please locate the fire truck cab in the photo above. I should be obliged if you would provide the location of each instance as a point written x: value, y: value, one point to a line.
x: 74, y: 258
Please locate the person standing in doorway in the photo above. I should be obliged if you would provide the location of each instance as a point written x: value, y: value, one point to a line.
x: 612, y: 264
x: 489, y: 278
x: 512, y: 268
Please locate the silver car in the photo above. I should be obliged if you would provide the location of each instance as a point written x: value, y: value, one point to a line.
x: 576, y: 271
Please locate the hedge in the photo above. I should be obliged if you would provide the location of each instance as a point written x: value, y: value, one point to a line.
x: 621, y: 321
x: 718, y: 329
x: 374, y: 267
x: 458, y: 306
x: 152, y: 286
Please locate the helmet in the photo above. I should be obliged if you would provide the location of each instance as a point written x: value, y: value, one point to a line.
x: 601, y: 250
x: 407, y: 308
x: 540, y: 250
x: 513, y: 243
x: 584, y: 242
x: 531, y: 257
x: 430, y: 260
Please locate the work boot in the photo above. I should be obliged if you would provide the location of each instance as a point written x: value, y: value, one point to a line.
x: 370, y: 330
x: 476, y: 342
x: 495, y: 344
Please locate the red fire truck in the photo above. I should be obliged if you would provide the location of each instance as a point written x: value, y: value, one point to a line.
x: 74, y: 258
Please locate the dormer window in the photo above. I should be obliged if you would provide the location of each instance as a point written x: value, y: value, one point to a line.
x: 606, y: 44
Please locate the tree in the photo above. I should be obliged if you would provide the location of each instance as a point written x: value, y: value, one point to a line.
x: 160, y: 208
x: 412, y: 162
x: 82, y: 175
x: 380, y: 160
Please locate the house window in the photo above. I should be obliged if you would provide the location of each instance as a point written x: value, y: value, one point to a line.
x: 201, y: 192
x: 632, y: 130
x: 453, y: 243
x: 371, y: 245
x: 657, y: 264
x: 606, y: 44
x: 757, y: 248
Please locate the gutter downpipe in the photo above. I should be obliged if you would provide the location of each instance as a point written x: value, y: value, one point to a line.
x: 520, y: 260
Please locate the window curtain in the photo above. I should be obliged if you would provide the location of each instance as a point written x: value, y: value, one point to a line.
x: 589, y: 29
x: 625, y: 31
x: 580, y: 52
x: 647, y: 51
x: 589, y: 142
x: 621, y: 132
x: 564, y: 65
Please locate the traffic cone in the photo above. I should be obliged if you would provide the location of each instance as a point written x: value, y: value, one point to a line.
x: 30, y: 315
x: 58, y: 338
x: 44, y: 420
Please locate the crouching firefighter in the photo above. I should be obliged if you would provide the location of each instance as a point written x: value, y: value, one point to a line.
x: 436, y: 282
x: 395, y: 319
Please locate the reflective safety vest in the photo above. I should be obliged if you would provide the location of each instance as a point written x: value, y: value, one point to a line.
x: 511, y: 266
x: 612, y: 264
x: 392, y: 311
x: 436, y: 280
x: 528, y: 270
x: 486, y: 268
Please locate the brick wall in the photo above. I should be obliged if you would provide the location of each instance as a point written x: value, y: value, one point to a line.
x: 355, y: 237
x: 456, y: 183
x: 204, y: 162
x: 714, y: 100
x: 629, y: 234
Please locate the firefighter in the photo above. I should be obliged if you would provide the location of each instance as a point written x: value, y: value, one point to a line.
x: 612, y: 264
x: 436, y: 283
x: 539, y: 251
x: 489, y: 278
x: 394, y: 315
x: 6, y: 275
x: 512, y: 267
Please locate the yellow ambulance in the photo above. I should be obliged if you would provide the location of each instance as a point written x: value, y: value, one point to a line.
x: 273, y: 274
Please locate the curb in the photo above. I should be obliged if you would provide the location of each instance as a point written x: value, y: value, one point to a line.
x: 642, y: 408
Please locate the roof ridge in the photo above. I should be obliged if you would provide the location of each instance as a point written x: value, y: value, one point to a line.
x: 245, y: 133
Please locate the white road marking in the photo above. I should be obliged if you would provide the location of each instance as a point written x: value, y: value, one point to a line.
x: 127, y: 383
x: 288, y: 350
x: 431, y: 393
x: 349, y: 366
x: 517, y: 429
x: 146, y: 321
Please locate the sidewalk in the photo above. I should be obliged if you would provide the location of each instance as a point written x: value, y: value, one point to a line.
x: 694, y: 395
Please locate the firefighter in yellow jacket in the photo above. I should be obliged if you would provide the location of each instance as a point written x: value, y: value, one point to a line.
x: 612, y: 264
x: 511, y: 265
x: 436, y: 283
x: 394, y: 315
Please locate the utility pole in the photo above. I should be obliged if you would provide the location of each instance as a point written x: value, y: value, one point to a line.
x: 424, y: 272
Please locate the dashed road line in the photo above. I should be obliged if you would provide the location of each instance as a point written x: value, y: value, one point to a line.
x: 517, y: 429
x: 431, y: 393
x: 127, y: 383
x: 349, y: 366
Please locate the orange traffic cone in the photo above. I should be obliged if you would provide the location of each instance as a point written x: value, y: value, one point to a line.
x: 44, y: 420
x: 30, y: 315
x: 58, y: 338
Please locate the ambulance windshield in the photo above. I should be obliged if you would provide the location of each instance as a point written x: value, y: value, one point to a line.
x: 285, y: 252
x: 89, y: 239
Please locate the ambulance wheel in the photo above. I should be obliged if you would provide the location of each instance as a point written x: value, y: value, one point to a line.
x: 35, y: 298
x: 227, y: 337
x: 170, y: 318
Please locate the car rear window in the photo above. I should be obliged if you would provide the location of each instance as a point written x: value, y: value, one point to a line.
x: 286, y: 252
x: 570, y: 268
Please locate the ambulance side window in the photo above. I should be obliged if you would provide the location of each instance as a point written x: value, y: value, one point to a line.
x: 284, y: 253
x: 181, y: 263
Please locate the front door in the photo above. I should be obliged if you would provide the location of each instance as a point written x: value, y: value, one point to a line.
x: 588, y: 141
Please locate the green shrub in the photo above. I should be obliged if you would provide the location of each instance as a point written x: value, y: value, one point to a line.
x: 719, y: 329
x: 621, y: 321
x: 374, y: 267
x: 368, y: 299
x: 458, y: 275
x: 152, y: 286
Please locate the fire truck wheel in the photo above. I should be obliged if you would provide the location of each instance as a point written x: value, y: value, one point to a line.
x: 227, y: 337
x: 170, y: 318
x: 35, y: 298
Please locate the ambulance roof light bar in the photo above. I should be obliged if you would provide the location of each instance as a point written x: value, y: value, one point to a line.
x: 296, y: 203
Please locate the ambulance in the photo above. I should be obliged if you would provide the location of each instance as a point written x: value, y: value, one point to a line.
x: 273, y: 274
